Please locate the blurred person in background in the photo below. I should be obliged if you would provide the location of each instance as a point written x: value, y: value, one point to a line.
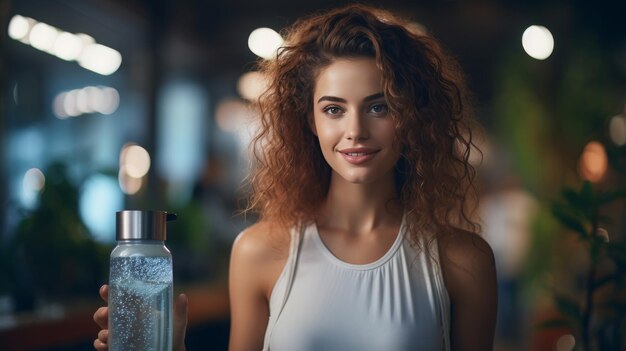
x: 362, y: 184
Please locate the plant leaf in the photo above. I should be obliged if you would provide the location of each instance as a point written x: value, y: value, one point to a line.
x: 573, y: 198
x: 569, y: 220
x: 586, y: 192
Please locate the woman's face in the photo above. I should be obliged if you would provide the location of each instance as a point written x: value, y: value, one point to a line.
x: 352, y: 122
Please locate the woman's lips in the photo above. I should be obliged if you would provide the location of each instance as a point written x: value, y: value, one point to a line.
x: 357, y: 156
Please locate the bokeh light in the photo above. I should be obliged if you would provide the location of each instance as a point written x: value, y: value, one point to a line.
x: 67, y: 46
x: 100, y: 198
x: 265, y: 42
x: 251, y: 85
x: 73, y: 103
x: 69, y: 103
x: 135, y: 160
x: 593, y: 162
x: 617, y: 130
x: 33, y: 184
x: 538, y: 42
x: 232, y: 115
x: 100, y: 59
x: 18, y: 27
x: 34, y: 180
x: 129, y: 185
x: 64, y: 45
x: 107, y: 102
x: 43, y: 36
x: 565, y: 343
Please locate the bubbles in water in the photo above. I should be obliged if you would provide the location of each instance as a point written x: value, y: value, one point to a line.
x: 139, y: 304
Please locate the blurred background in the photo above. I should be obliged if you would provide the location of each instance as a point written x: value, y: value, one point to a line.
x: 136, y: 104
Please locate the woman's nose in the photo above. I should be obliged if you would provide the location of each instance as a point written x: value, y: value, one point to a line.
x: 356, y: 128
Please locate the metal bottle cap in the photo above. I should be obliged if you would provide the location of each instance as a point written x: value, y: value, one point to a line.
x: 142, y: 225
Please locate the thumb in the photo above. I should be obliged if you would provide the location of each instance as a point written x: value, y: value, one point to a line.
x: 180, y: 319
x: 180, y: 309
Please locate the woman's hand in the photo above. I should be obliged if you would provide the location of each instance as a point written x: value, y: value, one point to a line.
x: 101, y: 317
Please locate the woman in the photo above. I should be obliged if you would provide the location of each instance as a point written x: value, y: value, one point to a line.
x: 362, y: 184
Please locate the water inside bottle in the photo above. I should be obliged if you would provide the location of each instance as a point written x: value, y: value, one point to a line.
x: 139, y: 304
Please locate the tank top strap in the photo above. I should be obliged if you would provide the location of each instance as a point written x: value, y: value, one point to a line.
x: 442, y: 299
x: 296, y: 234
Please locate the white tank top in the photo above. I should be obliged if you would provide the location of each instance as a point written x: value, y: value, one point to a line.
x: 320, y: 302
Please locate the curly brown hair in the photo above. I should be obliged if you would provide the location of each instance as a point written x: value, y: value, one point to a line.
x: 427, y: 99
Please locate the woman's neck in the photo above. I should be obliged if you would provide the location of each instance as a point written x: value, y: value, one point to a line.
x: 360, y: 207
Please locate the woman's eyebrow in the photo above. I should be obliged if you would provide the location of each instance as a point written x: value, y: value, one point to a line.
x: 331, y: 98
x: 338, y: 99
x: 374, y: 97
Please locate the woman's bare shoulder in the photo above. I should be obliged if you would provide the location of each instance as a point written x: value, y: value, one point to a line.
x: 466, y: 247
x: 258, y: 256
x: 262, y: 241
x: 466, y: 259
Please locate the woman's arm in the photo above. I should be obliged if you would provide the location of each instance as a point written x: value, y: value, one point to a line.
x: 470, y: 276
x: 251, y: 276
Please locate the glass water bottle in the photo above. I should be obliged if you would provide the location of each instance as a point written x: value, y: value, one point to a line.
x: 140, y: 283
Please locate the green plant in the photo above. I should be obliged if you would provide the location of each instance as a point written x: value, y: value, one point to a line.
x: 597, y: 316
x: 52, y: 252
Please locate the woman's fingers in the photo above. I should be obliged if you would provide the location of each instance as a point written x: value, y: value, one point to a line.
x: 101, y: 317
x: 180, y: 310
x: 99, y: 345
x: 103, y: 335
x: 104, y: 292
x: 180, y: 321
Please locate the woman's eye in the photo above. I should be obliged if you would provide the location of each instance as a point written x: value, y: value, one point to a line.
x: 379, y: 108
x: 332, y: 110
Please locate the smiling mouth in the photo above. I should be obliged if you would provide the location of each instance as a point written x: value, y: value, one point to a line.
x: 358, y: 151
x: 358, y: 156
x: 354, y: 154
